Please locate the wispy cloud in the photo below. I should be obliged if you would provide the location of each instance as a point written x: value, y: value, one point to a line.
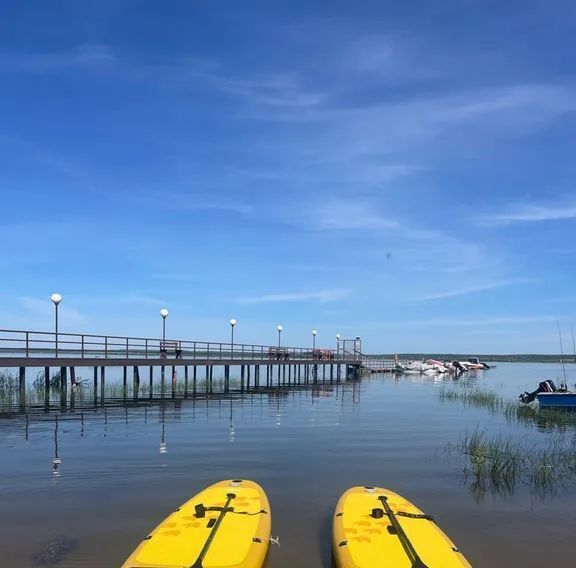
x: 127, y: 299
x: 476, y: 322
x: 181, y: 201
x: 530, y: 214
x: 82, y: 56
x: 322, y: 296
x: 464, y: 291
x: 277, y: 90
x: 346, y: 215
x: 560, y: 300
x: 43, y: 308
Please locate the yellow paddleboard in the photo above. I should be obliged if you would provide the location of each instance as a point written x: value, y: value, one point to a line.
x: 228, y: 524
x: 376, y: 528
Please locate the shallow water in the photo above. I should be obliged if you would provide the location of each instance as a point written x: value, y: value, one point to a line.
x: 123, y: 470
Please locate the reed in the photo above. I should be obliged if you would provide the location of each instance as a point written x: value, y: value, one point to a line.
x: 513, y: 411
x: 113, y: 390
x: 477, y: 398
x: 8, y: 381
x: 500, y: 464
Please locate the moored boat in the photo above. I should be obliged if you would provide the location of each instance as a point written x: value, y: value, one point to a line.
x: 557, y: 400
x: 477, y: 364
x: 547, y: 395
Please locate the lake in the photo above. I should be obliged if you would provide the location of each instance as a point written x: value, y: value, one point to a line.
x: 85, y: 489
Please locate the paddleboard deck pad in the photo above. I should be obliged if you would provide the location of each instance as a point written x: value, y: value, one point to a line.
x: 228, y: 524
x: 376, y: 528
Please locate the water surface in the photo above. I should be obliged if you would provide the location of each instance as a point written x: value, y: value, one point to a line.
x: 84, y: 492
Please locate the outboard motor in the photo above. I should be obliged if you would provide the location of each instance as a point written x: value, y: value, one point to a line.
x: 459, y: 368
x: 544, y: 386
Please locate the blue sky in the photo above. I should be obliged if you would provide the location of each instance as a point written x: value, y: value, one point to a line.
x: 400, y: 171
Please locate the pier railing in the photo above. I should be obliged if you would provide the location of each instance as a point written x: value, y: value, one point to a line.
x: 45, y: 344
x: 378, y: 365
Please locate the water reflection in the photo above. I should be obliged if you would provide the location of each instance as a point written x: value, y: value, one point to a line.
x: 304, y: 445
x: 231, y: 428
x: 56, y: 460
x: 163, y: 444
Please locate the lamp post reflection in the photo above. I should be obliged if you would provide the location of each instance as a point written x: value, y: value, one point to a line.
x: 232, y: 429
x: 163, y: 444
x: 56, y: 460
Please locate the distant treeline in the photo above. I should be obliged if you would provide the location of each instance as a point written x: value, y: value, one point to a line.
x: 515, y: 358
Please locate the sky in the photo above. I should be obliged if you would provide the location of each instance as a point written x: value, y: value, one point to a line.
x: 403, y: 172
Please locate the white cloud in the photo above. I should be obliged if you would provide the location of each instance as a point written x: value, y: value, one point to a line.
x: 278, y: 90
x: 530, y: 214
x: 321, y: 296
x: 560, y: 300
x: 468, y: 290
x: 346, y: 215
x: 131, y: 299
x: 475, y: 321
x: 181, y: 201
x: 44, y: 309
x: 82, y: 56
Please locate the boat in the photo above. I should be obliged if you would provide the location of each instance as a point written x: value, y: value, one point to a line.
x: 455, y: 367
x: 476, y: 363
x: 226, y: 524
x: 438, y: 367
x: 547, y: 395
x: 424, y: 368
x: 375, y: 527
x: 415, y: 367
x: 400, y: 367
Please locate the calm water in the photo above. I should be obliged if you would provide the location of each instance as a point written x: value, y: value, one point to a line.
x: 122, y: 471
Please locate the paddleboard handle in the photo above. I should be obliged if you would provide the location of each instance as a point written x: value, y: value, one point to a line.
x: 377, y: 513
x: 405, y: 541
x: 214, y: 527
x: 200, y: 509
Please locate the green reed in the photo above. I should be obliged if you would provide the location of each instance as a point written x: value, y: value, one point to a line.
x: 500, y: 463
x: 513, y: 411
x: 477, y: 398
x: 9, y: 385
x: 114, y: 390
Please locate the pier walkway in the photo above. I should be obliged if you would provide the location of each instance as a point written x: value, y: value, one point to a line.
x: 57, y: 356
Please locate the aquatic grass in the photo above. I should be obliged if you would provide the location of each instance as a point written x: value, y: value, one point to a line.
x: 499, y: 464
x: 544, y: 418
x: 8, y: 381
x: 9, y: 388
x: 477, y: 398
x: 513, y: 411
x: 114, y: 390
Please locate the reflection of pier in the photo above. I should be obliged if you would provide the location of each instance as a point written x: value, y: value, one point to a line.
x: 272, y: 405
x: 190, y: 369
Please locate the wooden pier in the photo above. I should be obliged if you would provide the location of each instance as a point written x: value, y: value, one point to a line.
x: 377, y: 365
x: 187, y: 368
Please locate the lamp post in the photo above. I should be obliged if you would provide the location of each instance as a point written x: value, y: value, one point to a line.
x: 279, y: 328
x: 56, y: 299
x: 232, y: 323
x: 164, y: 314
x: 338, y: 344
x: 314, y: 333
